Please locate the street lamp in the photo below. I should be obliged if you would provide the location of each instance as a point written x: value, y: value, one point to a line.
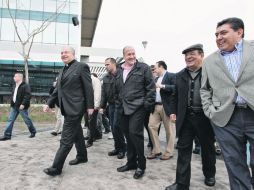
x: 144, y: 45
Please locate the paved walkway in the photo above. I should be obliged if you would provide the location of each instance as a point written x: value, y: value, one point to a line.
x: 22, y: 161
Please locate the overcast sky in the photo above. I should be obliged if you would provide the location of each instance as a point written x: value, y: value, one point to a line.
x: 168, y: 26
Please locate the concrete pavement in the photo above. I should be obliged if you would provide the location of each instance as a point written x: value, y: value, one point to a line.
x: 23, y: 160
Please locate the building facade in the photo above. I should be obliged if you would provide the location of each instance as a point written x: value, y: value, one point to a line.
x: 44, y: 59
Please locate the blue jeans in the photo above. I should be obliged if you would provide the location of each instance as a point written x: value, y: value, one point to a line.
x: 114, y: 117
x: 14, y: 112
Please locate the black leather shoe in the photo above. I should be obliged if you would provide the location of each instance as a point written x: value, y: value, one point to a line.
x: 89, y: 144
x: 120, y: 155
x: 32, y: 135
x: 113, y: 153
x: 138, y: 173
x: 5, y: 138
x: 126, y: 168
x: 97, y: 137
x: 52, y: 171
x: 106, y: 132
x: 210, y: 181
x: 53, y: 133
x: 196, y: 151
x: 176, y: 186
x: 77, y: 161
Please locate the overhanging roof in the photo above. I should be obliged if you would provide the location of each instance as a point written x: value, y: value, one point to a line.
x: 90, y: 15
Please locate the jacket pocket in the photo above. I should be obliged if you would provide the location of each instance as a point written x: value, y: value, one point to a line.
x: 216, y: 103
x: 77, y: 99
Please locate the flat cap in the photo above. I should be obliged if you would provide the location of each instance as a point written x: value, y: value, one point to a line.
x: 193, y: 47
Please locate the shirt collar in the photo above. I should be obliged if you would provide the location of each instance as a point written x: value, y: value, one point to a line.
x: 238, y: 48
x: 19, y: 83
x: 163, y: 74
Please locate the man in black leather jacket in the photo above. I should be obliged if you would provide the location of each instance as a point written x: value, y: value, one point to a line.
x: 109, y: 97
x: 136, y: 89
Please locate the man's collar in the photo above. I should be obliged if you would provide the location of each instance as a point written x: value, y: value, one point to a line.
x: 19, y: 83
x: 238, y: 47
x: 163, y: 73
x: 69, y: 64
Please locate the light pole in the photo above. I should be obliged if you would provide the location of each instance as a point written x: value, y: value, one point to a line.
x: 144, y: 43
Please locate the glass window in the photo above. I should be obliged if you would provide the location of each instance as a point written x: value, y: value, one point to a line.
x: 23, y: 4
x: 49, y: 33
x: 7, y: 32
x: 63, y: 6
x: 62, y: 33
x: 74, y: 9
x: 64, y: 18
x: 6, y: 13
x: 12, y: 4
x: 74, y: 35
x: 0, y: 17
x: 22, y: 14
x: 50, y: 5
x: 35, y: 15
x: 35, y: 25
x: 37, y: 5
x: 23, y: 29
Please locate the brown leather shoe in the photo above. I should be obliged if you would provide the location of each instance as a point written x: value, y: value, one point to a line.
x: 153, y: 155
x: 165, y: 157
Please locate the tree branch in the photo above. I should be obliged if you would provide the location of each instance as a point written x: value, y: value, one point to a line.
x: 14, y: 23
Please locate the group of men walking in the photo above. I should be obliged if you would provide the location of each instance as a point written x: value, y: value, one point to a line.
x: 209, y: 98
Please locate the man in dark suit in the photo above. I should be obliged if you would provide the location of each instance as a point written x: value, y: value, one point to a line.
x: 74, y: 92
x: 136, y: 89
x: 192, y: 122
x: 20, y: 103
x: 162, y: 111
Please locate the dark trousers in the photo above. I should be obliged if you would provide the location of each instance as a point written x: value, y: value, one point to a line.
x: 93, y: 128
x: 114, y: 119
x: 72, y: 133
x: 195, y: 124
x: 105, y: 122
x: 133, y: 128
x: 233, y: 139
x: 146, y: 121
x: 252, y: 164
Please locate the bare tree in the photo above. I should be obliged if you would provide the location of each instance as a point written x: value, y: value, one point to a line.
x: 27, y: 42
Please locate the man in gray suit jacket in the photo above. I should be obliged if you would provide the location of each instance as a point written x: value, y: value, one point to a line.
x: 74, y: 93
x: 227, y: 93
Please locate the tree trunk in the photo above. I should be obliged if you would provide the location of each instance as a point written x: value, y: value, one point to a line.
x: 26, y: 71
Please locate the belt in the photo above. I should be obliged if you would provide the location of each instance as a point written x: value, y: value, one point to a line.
x: 196, y: 110
x: 242, y: 106
x: 158, y: 103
